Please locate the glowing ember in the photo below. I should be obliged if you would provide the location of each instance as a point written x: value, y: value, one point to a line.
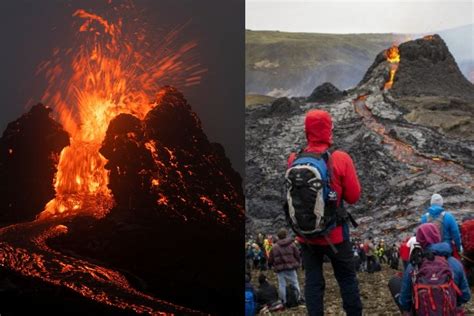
x: 112, y: 70
x: 393, y: 57
x: 213, y: 207
x: 163, y: 200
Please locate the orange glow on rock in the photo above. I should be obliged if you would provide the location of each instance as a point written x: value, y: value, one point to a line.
x: 393, y: 57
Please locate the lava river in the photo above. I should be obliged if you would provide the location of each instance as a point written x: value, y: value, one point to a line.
x: 448, y: 170
x: 23, y: 249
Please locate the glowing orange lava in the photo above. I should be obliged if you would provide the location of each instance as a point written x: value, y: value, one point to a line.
x: 393, y: 57
x: 110, y: 70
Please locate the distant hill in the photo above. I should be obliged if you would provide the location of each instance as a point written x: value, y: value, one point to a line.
x: 279, y: 63
x: 293, y: 64
x: 254, y: 99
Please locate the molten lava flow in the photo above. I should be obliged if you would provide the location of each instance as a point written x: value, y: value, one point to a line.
x: 393, y: 57
x: 405, y: 153
x: 112, y: 70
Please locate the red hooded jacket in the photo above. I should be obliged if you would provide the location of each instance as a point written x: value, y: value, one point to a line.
x: 318, y: 128
x: 405, y: 250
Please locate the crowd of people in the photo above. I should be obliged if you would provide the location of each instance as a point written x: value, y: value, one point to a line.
x: 282, y: 254
x: 284, y: 258
x: 433, y: 279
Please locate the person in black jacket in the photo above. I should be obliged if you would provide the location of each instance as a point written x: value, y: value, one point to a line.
x: 267, y: 294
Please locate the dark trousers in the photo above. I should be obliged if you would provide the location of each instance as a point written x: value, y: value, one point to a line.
x: 395, y: 286
x: 344, y: 271
x: 370, y: 264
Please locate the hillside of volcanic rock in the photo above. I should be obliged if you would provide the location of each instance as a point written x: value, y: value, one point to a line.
x: 29, y: 152
x: 400, y: 161
x: 326, y: 92
x: 179, y: 209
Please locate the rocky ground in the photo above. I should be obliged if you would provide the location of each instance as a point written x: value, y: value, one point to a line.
x: 400, y: 163
x: 375, y: 295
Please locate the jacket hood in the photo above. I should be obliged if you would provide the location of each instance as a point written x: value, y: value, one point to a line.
x: 435, y: 210
x: 285, y: 242
x: 318, y: 128
x: 440, y: 249
x: 427, y: 234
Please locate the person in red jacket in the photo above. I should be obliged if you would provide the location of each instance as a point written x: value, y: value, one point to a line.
x: 405, y: 252
x: 344, y: 180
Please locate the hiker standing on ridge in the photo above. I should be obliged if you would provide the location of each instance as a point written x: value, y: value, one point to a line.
x: 446, y: 223
x: 336, y: 243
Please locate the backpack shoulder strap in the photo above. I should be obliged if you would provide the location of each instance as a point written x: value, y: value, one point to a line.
x: 325, y: 155
x: 308, y: 154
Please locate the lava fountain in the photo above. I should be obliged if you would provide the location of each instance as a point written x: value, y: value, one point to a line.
x: 393, y: 57
x: 112, y: 69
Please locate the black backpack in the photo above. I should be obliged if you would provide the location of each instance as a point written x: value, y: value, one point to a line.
x: 311, y: 207
x: 309, y: 196
x: 292, y: 295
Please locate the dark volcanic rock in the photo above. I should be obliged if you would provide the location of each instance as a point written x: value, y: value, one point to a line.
x: 168, y: 157
x: 326, y: 92
x: 29, y: 152
x: 179, y: 215
x: 281, y: 106
x: 395, y: 190
x: 400, y: 164
x: 426, y: 68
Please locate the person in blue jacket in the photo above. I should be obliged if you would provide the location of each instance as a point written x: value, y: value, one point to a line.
x: 250, y: 298
x: 449, y: 228
x: 428, y: 237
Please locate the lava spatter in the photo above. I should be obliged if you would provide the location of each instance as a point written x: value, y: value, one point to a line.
x: 113, y: 69
x: 393, y: 58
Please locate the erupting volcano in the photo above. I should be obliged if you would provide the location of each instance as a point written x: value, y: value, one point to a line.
x: 112, y: 73
x: 115, y: 162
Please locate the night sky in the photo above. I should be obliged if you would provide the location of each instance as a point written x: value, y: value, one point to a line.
x: 31, y: 29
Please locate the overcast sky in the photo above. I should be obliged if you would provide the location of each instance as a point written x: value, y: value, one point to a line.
x: 355, y: 16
